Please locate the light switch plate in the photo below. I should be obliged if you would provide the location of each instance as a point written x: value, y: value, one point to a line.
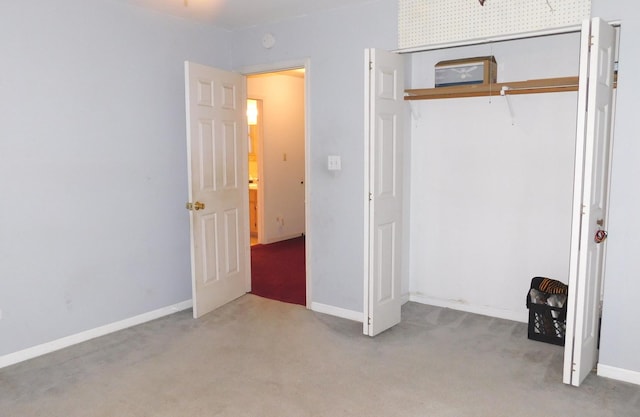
x: 334, y: 163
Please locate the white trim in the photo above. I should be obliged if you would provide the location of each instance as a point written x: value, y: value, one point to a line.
x: 337, y: 311
x: 307, y: 180
x: 509, y: 37
x: 405, y: 298
x: 366, y: 235
x: 276, y: 66
x: 39, y: 350
x: 619, y: 374
x: 522, y: 317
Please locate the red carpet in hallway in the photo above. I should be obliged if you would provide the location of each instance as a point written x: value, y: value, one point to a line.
x: 278, y: 271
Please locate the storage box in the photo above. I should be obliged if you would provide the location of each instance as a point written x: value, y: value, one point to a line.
x: 478, y: 70
x: 544, y: 327
x: 547, y: 323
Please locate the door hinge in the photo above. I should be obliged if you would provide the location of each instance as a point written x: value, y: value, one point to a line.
x: 370, y: 196
x: 369, y: 321
x: 370, y: 65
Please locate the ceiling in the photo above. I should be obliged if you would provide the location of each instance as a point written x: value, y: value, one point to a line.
x: 238, y: 14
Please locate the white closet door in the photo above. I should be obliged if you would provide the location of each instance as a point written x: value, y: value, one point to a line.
x: 591, y: 195
x: 384, y: 153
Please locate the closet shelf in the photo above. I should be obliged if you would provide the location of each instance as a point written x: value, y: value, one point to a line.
x: 546, y: 85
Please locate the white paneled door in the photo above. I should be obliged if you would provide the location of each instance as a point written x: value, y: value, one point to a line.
x: 218, y: 198
x: 591, y: 194
x: 384, y: 101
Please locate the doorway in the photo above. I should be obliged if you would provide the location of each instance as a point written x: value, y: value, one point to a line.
x: 276, y: 118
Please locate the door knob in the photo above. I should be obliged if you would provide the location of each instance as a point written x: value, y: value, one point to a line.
x: 195, y: 206
x: 600, y: 236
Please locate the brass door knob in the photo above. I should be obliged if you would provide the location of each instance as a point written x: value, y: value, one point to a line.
x: 195, y: 206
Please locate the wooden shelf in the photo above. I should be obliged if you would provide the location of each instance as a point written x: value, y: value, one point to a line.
x: 547, y: 85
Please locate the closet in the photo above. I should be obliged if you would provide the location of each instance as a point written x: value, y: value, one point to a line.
x: 504, y: 183
x: 498, y: 180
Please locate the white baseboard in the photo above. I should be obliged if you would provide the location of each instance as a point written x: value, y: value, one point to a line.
x: 39, y: 350
x: 406, y: 297
x: 619, y: 374
x: 337, y: 311
x: 522, y: 317
x: 485, y: 311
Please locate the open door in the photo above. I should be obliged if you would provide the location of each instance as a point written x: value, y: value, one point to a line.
x: 590, y: 199
x: 218, y: 198
x: 384, y: 102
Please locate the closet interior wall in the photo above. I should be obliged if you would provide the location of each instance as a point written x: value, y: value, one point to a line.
x: 491, y: 180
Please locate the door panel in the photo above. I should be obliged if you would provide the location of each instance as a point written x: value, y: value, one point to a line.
x: 385, y: 103
x: 591, y: 195
x: 216, y: 142
x: 230, y: 155
x: 209, y: 233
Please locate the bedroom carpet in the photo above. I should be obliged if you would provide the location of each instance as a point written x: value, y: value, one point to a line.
x: 262, y: 358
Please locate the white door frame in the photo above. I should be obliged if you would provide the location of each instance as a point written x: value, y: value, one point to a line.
x: 283, y: 66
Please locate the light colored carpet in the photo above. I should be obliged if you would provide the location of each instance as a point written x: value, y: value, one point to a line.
x: 262, y: 358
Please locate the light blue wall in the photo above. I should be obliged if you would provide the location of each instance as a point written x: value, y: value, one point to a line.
x: 620, y: 342
x: 92, y: 164
x: 334, y: 42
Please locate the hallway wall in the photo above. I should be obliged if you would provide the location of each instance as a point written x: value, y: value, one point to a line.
x: 283, y: 159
